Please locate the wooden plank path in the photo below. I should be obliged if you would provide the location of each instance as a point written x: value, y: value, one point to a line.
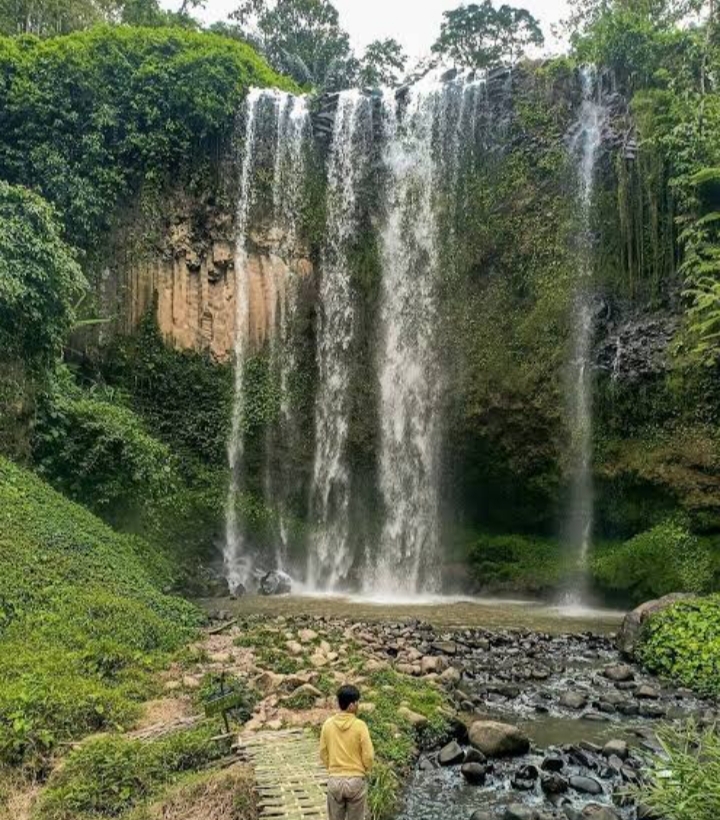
x: 290, y: 781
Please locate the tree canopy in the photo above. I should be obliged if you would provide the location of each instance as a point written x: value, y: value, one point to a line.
x: 383, y: 63
x: 481, y: 36
x: 301, y: 38
x: 40, y: 279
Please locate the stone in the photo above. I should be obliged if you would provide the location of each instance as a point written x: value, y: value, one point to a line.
x: 275, y: 725
x: 619, y: 672
x: 268, y: 682
x: 451, y: 676
x: 573, y: 700
x: 366, y: 708
x: 307, y: 635
x: 628, y: 636
x: 628, y: 709
x: 445, y: 647
x: 451, y: 754
x: 474, y: 773
x: 647, y: 692
x: 553, y: 783
x: 294, y: 648
x: 619, y: 748
x: 481, y: 814
x: 596, y: 812
x: 585, y: 785
x: 306, y: 690
x: 495, y: 739
x: 552, y: 763
x: 417, y: 720
x: 516, y: 811
x: 275, y: 583
x: 652, y: 710
x: 473, y: 755
x: 432, y: 664
x: 191, y: 682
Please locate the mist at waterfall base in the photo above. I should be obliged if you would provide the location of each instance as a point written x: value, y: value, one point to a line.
x: 419, y: 135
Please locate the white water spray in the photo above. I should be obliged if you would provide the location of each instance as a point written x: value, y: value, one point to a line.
x: 585, y: 147
x: 330, y: 557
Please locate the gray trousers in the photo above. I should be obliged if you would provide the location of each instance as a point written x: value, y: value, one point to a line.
x: 346, y: 798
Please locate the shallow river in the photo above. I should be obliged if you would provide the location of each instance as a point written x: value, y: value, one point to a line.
x: 440, y: 611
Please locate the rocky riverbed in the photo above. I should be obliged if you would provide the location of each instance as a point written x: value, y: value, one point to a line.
x: 546, y: 725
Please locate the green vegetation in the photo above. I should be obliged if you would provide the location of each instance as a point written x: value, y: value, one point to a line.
x: 684, y: 780
x: 82, y: 621
x: 664, y: 559
x: 107, y: 776
x: 683, y: 643
x: 517, y: 563
x: 150, y: 108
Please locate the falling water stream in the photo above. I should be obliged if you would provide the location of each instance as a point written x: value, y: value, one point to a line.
x: 585, y: 148
x: 330, y: 557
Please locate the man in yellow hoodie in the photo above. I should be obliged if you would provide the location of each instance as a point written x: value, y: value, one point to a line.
x: 347, y: 753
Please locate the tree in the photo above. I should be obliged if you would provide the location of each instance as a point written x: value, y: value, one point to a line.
x: 382, y: 62
x: 40, y: 280
x: 302, y: 38
x: 51, y: 17
x: 480, y: 36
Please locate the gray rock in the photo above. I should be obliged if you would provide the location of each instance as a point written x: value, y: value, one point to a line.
x: 552, y: 763
x: 496, y: 739
x: 481, y: 814
x: 619, y: 672
x: 573, y: 700
x: 474, y: 773
x: 616, y: 747
x: 516, y: 811
x: 647, y: 692
x: 451, y: 755
x: 553, y: 783
x: 627, y: 637
x: 474, y: 756
x: 275, y: 583
x: 595, y: 812
x: 585, y: 785
x: 652, y: 710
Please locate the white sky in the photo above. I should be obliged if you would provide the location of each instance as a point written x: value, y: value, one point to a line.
x: 414, y: 23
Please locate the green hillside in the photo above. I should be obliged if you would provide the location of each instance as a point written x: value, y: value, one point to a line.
x: 82, y: 620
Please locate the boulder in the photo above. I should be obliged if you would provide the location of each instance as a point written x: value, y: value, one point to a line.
x: 629, y: 634
x: 496, y: 739
x: 596, y: 812
x: 516, y: 811
x: 306, y: 690
x: 646, y: 692
x: 307, y: 635
x: 474, y: 756
x: 417, y: 720
x: 585, y: 785
x: 432, y: 664
x: 573, y: 700
x: 451, y: 754
x: 553, y: 783
x: 275, y: 583
x: 481, y: 814
x: 619, y: 748
x: 450, y: 676
x: 552, y: 763
x: 474, y: 773
x: 619, y: 672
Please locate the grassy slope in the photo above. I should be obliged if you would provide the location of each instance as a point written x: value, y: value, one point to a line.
x: 82, y: 620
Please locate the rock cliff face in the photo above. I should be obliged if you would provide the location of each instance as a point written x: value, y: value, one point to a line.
x: 191, y: 276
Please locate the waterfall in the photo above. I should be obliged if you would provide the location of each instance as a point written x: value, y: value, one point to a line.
x: 288, y: 116
x: 237, y: 564
x: 422, y: 156
x: 585, y: 147
x: 330, y: 557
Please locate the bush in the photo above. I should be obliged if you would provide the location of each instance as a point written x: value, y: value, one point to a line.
x: 109, y: 775
x: 100, y: 454
x: 82, y: 621
x: 667, y: 558
x: 90, y: 117
x: 683, y: 643
x: 517, y: 562
x: 40, y: 280
x: 684, y: 782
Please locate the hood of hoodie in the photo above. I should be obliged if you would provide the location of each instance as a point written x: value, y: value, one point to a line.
x: 344, y: 721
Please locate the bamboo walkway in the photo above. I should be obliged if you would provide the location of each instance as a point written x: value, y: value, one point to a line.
x: 290, y: 780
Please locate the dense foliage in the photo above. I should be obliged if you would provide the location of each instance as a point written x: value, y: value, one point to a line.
x: 82, y: 620
x: 149, y: 107
x: 683, y: 781
x: 682, y: 643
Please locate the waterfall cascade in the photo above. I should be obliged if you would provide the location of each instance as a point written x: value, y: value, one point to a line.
x: 585, y: 147
x: 330, y: 558
x: 289, y: 117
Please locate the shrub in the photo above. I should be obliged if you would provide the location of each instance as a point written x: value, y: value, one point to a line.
x: 667, y: 558
x: 517, y: 562
x: 684, y: 783
x: 109, y: 775
x: 100, y: 454
x: 683, y: 643
x: 82, y: 622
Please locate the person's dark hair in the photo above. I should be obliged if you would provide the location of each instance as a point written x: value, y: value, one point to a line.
x: 347, y: 695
